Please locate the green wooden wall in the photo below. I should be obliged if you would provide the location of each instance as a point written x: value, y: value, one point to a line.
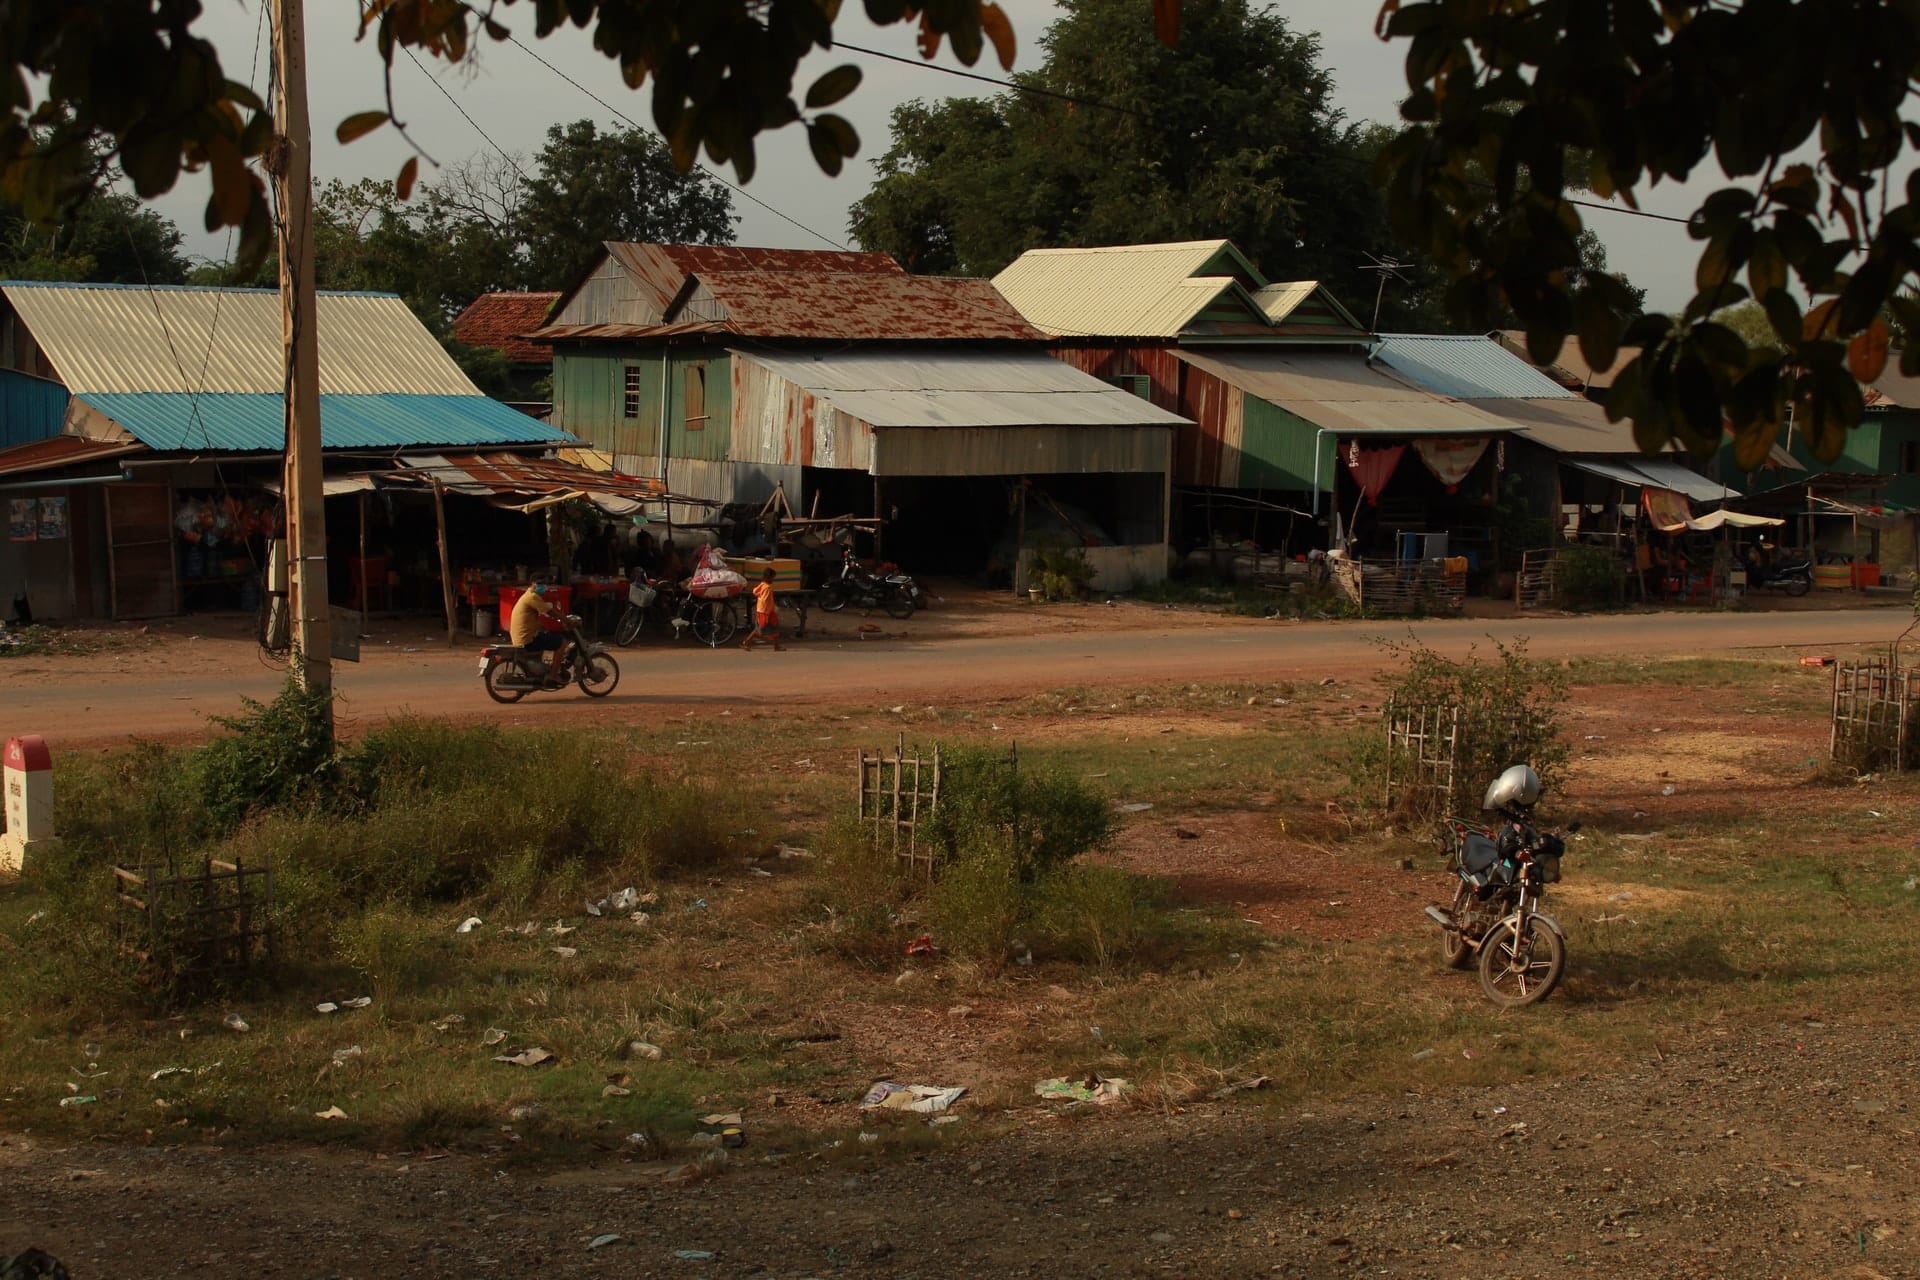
x: 589, y: 399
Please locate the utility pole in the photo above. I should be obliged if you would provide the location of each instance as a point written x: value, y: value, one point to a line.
x: 306, y: 502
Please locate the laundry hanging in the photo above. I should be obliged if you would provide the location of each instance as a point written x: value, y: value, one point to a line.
x: 1666, y: 510
x: 1450, y: 459
x: 1372, y: 468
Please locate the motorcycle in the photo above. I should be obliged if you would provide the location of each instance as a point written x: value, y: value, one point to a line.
x: 894, y: 592
x: 711, y: 622
x: 1793, y: 577
x: 1500, y: 875
x: 511, y: 672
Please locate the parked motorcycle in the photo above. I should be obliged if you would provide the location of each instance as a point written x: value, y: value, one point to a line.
x: 511, y: 672
x: 675, y: 609
x: 894, y: 592
x: 1500, y: 875
x: 1795, y: 577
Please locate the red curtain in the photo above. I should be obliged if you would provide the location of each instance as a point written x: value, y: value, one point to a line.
x: 1372, y: 468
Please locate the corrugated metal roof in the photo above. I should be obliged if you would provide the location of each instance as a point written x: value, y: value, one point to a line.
x: 1340, y: 391
x: 696, y: 259
x: 1280, y: 301
x: 1143, y: 291
x: 502, y: 321
x: 61, y: 451
x: 1570, y: 368
x: 127, y: 338
x: 864, y: 306
x: 1657, y: 473
x: 1894, y: 390
x: 1570, y: 424
x: 1466, y: 368
x: 257, y: 422
x: 569, y: 332
x: 1013, y: 389
x: 510, y: 474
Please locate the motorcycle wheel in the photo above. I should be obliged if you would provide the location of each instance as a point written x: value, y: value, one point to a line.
x: 1521, y: 965
x: 492, y: 681
x: 627, y: 630
x: 897, y: 603
x: 601, y: 675
x: 1800, y: 584
x: 833, y: 597
x: 715, y: 623
x: 1454, y: 951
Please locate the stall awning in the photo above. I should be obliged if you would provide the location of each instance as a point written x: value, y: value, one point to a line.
x: 1655, y: 473
x: 528, y: 484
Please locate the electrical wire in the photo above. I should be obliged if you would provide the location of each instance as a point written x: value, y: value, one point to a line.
x: 631, y: 123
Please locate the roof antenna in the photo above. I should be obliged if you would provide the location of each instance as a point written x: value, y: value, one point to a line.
x: 1385, y: 268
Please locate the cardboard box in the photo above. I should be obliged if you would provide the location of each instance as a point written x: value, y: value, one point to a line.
x: 786, y: 571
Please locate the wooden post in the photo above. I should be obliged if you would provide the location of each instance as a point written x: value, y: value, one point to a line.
x: 899, y: 763
x: 1020, y: 532
x: 446, y: 574
x: 363, y: 561
x: 306, y: 501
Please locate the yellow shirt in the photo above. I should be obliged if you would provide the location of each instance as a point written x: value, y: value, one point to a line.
x: 763, y: 605
x: 527, y: 612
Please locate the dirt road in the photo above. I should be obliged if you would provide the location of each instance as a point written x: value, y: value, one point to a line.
x: 1776, y: 1152
x: 166, y: 689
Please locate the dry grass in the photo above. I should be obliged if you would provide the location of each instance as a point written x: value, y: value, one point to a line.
x: 1780, y: 900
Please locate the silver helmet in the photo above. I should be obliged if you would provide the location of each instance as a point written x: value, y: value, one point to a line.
x: 1519, y: 785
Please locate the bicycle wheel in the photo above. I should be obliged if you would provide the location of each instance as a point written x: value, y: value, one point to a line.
x: 715, y: 623
x: 627, y: 630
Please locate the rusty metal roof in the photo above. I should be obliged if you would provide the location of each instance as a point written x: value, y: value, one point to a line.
x: 697, y: 259
x: 501, y: 321
x: 864, y: 306
x: 1342, y: 392
x: 535, y: 481
x: 571, y: 332
x: 61, y: 451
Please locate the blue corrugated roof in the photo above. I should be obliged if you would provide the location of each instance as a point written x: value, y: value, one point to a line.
x: 1469, y: 368
x: 242, y: 423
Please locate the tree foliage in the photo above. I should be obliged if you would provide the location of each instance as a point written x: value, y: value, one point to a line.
x: 135, y: 73
x: 1231, y: 133
x: 108, y: 238
x: 1647, y: 91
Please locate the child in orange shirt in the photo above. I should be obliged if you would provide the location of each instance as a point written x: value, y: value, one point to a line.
x: 766, y: 614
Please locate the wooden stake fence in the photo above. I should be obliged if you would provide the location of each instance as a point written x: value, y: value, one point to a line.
x: 893, y: 806
x: 217, y: 919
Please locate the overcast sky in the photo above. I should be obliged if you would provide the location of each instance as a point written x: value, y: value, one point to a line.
x: 514, y: 99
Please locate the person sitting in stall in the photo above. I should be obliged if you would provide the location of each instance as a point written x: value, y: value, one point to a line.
x: 672, y: 569
x: 527, y: 633
x: 646, y: 556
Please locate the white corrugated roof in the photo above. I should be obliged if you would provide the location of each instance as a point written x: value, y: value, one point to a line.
x: 970, y: 389
x: 1279, y: 300
x: 1144, y: 290
x: 128, y: 338
x: 1342, y: 392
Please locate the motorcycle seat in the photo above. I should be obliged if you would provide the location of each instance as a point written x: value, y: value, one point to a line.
x: 1477, y: 853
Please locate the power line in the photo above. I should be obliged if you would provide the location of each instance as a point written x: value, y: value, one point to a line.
x: 512, y: 163
x: 631, y: 123
x: 1014, y: 85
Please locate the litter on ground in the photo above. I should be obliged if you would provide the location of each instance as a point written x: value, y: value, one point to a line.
x: 1093, y: 1089
x: 925, y: 1099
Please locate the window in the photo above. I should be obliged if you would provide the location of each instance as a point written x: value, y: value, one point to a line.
x: 1138, y: 384
x: 1910, y: 458
x: 696, y: 397
x: 631, y: 407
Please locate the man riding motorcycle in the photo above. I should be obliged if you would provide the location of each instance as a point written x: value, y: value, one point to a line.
x: 527, y: 633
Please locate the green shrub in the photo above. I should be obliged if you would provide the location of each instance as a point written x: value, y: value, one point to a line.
x: 1589, y: 578
x: 976, y: 903
x: 1097, y: 915
x: 273, y: 753
x: 1046, y: 815
x: 1061, y: 570
x: 1510, y: 713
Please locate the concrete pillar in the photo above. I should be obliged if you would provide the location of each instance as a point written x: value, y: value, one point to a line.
x: 28, y: 775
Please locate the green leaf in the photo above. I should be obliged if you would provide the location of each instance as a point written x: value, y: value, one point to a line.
x: 841, y: 132
x: 1599, y: 328
x: 359, y: 125
x: 833, y: 86
x: 826, y: 153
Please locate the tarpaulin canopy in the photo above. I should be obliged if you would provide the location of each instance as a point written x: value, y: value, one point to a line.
x: 1656, y: 473
x: 1669, y: 512
x: 1716, y: 519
